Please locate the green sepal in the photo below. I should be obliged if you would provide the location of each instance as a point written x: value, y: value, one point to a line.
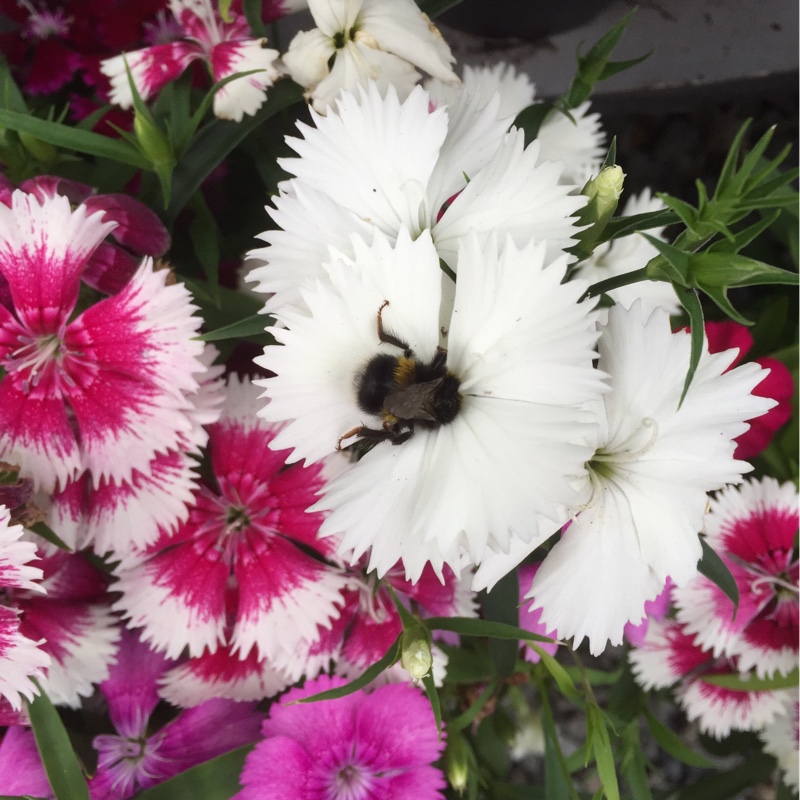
x: 716, y: 570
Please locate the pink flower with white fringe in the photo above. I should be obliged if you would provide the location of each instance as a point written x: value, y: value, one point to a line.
x: 135, y: 757
x: 378, y: 744
x: 121, y: 516
x: 104, y: 391
x: 225, y: 45
x: 753, y: 528
x: 246, y: 569
x: 73, y: 621
x: 138, y: 232
x: 669, y: 656
x: 782, y: 740
x: 21, y: 658
x: 369, y: 622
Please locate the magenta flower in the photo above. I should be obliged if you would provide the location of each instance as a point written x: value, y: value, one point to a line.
x: 365, y: 745
x: 655, y: 609
x: 225, y: 45
x: 103, y: 391
x: 530, y: 617
x: 753, y: 527
x: 21, y: 658
x: 135, y: 757
x: 21, y: 769
x: 246, y: 568
x: 777, y: 384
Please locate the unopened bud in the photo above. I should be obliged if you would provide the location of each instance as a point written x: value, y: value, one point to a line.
x: 457, y: 761
x: 416, y: 655
x: 40, y: 150
x: 152, y: 141
x: 604, y: 192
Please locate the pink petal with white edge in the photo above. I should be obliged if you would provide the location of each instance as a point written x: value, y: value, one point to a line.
x: 245, y: 95
x: 151, y: 69
x: 82, y: 641
x: 719, y: 711
x: 110, y: 268
x: 138, y: 361
x: 14, y: 557
x: 44, y: 247
x: 20, y: 660
x: 222, y: 674
x: 66, y: 515
x: 205, y: 404
x: 667, y: 655
x: 178, y: 598
x: 131, y: 514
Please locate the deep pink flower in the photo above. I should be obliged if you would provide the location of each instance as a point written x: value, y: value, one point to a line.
x: 655, y: 609
x: 136, y: 757
x: 227, y: 47
x: 529, y: 618
x: 21, y: 769
x: 753, y: 527
x: 366, y: 745
x: 246, y: 568
x: 103, y: 391
x: 778, y: 385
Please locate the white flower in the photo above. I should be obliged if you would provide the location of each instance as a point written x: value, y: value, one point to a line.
x: 382, y: 164
x: 356, y: 41
x: 576, y: 140
x: 521, y: 346
x: 655, y: 461
x: 781, y: 739
x: 630, y: 253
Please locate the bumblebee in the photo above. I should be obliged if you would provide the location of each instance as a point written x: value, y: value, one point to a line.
x: 405, y: 392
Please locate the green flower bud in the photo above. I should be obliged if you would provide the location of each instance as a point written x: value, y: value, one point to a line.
x: 40, y: 150
x: 152, y: 141
x: 604, y: 192
x: 416, y: 655
x: 457, y: 761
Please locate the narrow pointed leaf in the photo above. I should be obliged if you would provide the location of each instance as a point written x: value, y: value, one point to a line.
x: 433, y: 696
x: 715, y: 569
x: 717, y: 269
x: 603, y: 754
x: 530, y: 119
x: 731, y: 160
x: 720, y: 298
x: 743, y: 237
x: 557, y: 779
x: 366, y: 677
x: 615, y: 67
x: 58, y: 756
x: 672, y: 744
x: 686, y: 211
x: 10, y: 95
x: 465, y: 626
x: 70, y: 138
x: 467, y: 717
x: 624, y: 226
x: 633, y: 764
x: 501, y: 605
x: 753, y: 684
x: 558, y: 673
x: 691, y: 303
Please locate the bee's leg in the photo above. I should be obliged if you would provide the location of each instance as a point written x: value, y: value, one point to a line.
x: 390, y: 338
x: 362, y: 432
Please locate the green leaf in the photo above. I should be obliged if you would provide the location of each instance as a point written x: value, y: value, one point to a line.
x: 204, y: 235
x: 715, y: 569
x: 743, y: 237
x: 58, y: 757
x: 756, y: 769
x: 252, y: 13
x: 530, y: 119
x: 673, y: 264
x: 718, y: 270
x: 691, y: 302
x: 466, y: 718
x: 243, y: 329
x: 433, y: 696
x: 754, y: 684
x: 672, y: 744
x: 40, y: 529
x: 558, y: 673
x: 465, y: 626
x: 215, y: 141
x: 720, y: 299
x: 501, y: 604
x: 10, y: 95
x: 557, y: 780
x: 217, y: 779
x: 366, y: 677
x: 632, y: 763
x: 732, y: 159
x: 597, y: 734
x: 686, y: 212
x: 71, y: 138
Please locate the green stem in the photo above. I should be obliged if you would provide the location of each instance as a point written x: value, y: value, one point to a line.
x: 614, y: 283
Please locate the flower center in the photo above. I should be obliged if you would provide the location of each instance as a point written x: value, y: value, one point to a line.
x: 350, y: 783
x: 44, y: 23
x: 37, y: 355
x: 341, y: 38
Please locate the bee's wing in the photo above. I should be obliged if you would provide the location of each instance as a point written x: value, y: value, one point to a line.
x: 414, y: 401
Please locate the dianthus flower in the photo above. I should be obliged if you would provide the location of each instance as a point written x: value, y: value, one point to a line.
x: 515, y: 347
x: 382, y: 164
x: 655, y: 459
x: 782, y: 740
x: 753, y: 529
x: 224, y: 44
x: 669, y: 655
x: 238, y: 571
x: 356, y: 41
x: 368, y: 744
x: 21, y: 658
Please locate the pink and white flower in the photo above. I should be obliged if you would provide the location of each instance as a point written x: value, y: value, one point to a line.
x: 753, y: 528
x: 782, y: 740
x: 104, y: 391
x: 670, y: 655
x: 225, y: 45
x: 377, y: 744
x: 21, y: 658
x: 237, y: 572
